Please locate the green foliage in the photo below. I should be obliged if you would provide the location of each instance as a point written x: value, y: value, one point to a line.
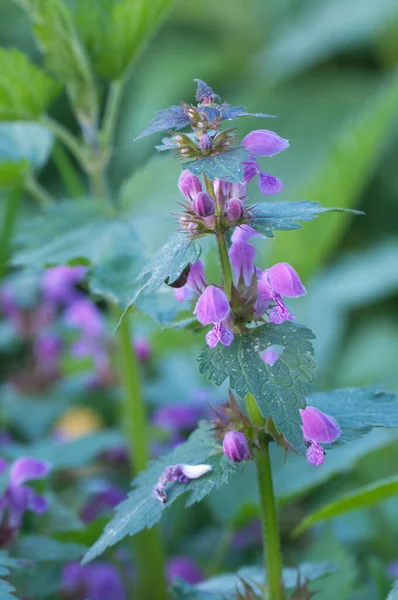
x: 39, y: 548
x: 285, y: 215
x: 65, y: 55
x: 25, y: 90
x: 25, y: 142
x: 168, y: 264
x: 227, y: 584
x: 357, y: 410
x: 227, y: 165
x: 279, y: 390
x: 141, y: 510
x: 354, y: 500
x: 393, y: 595
x: 340, y: 177
x: 7, y: 591
x: 115, y: 32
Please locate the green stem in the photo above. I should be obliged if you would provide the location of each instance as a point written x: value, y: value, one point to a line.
x: 98, y: 184
x: 269, y: 518
x: 10, y: 215
x: 64, y: 136
x: 38, y: 192
x: 221, y: 242
x: 67, y: 171
x: 112, y: 111
x: 149, y: 552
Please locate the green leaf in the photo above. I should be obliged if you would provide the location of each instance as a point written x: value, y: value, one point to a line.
x: 354, y: 500
x: 141, y: 510
x: 340, y: 177
x: 227, y: 165
x: 39, y: 548
x: 393, y: 595
x: 7, y: 590
x: 285, y: 215
x: 65, y: 55
x: 24, y: 142
x: 168, y: 118
x: 115, y: 32
x: 70, y: 454
x: 168, y: 263
x: 357, y: 410
x: 225, y: 585
x: 279, y: 390
x: 25, y: 90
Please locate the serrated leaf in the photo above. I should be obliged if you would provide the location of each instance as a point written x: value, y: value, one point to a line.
x: 233, y: 112
x: 225, y: 585
x: 227, y: 165
x: 115, y: 32
x: 25, y: 90
x: 7, y: 590
x: 168, y: 263
x: 279, y: 390
x: 65, y: 55
x: 357, y: 410
x: 347, y: 167
x: 169, y: 118
x: 354, y: 500
x: 286, y: 215
x: 141, y: 510
x: 24, y: 142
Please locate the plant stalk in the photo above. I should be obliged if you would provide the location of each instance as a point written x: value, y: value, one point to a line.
x: 269, y: 518
x: 149, y: 551
x: 10, y: 216
x: 67, y: 171
x: 38, y: 192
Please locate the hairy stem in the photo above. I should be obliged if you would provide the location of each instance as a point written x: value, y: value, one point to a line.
x: 221, y: 242
x: 10, y: 215
x: 269, y: 518
x: 149, y: 552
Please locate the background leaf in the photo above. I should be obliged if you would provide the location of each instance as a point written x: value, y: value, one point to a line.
x: 25, y: 142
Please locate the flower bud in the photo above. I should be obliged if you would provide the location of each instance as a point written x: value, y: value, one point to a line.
x: 234, y: 209
x: 189, y: 184
x: 205, y: 142
x: 235, y: 446
x: 203, y: 204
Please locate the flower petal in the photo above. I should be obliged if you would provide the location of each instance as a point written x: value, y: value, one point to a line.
x: 25, y: 469
x: 269, y: 184
x: 212, y: 306
x: 264, y: 142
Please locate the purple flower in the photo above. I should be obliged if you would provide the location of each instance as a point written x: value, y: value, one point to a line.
x: 235, y: 446
x: 189, y: 184
x: 47, y: 350
x: 195, y: 285
x: 18, y: 497
x: 177, y: 417
x: 107, y: 496
x: 96, y: 581
x: 234, y: 209
x: 203, y: 204
x: 279, y: 281
x: 205, y: 142
x: 212, y: 306
x: 264, y: 142
x: 268, y: 184
x: 178, y: 473
x: 143, y: 349
x: 244, y: 233
x: 59, y: 283
x: 242, y: 260
x: 219, y: 333
x: 221, y: 188
x: 270, y: 356
x: 182, y: 567
x: 318, y: 427
x: 86, y: 317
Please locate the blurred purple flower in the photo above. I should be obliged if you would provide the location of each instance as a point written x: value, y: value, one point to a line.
x: 59, y: 283
x: 107, y: 497
x: 96, y: 581
x: 177, y: 417
x: 318, y: 427
x: 47, y: 349
x: 18, y: 497
x: 143, y: 349
x: 183, y: 567
x: 248, y: 536
x: 84, y: 316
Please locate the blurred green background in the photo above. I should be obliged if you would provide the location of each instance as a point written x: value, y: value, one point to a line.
x: 328, y: 70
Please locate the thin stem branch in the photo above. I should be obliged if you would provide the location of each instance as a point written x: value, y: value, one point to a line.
x: 269, y: 518
x: 38, y: 192
x: 149, y: 552
x: 66, y: 137
x: 67, y: 171
x: 112, y: 111
x: 221, y: 242
x: 10, y: 216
